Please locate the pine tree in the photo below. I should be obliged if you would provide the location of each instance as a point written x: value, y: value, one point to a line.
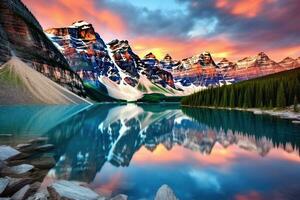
x: 280, y: 99
x: 295, y: 104
x: 232, y: 98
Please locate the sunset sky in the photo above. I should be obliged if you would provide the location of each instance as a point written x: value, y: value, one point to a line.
x: 227, y: 28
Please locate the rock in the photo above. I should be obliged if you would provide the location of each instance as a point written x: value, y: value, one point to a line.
x: 296, y: 122
x: 3, y: 184
x: 21, y: 146
x: 71, y: 191
x: 7, y: 152
x: 43, y: 162
x: 165, y: 193
x: 38, y: 196
x: 38, y: 140
x: 22, y: 193
x: 15, y: 184
x: 120, y: 197
x: 26, y: 191
x: 45, y: 147
x: 18, y: 169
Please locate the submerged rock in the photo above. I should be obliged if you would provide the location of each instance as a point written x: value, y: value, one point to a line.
x: 71, y: 191
x: 165, y: 193
x: 7, y: 152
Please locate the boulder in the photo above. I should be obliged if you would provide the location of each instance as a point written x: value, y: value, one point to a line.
x: 15, y: 184
x: 26, y: 191
x: 46, y: 162
x: 17, y: 170
x: 3, y: 184
x: 120, y: 197
x: 22, y: 193
x: 7, y: 152
x: 39, y: 196
x: 22, y: 146
x: 45, y: 147
x: 71, y: 191
x: 165, y: 193
x: 38, y: 140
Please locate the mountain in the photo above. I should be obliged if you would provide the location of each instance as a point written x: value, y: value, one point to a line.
x: 289, y: 63
x: 199, y: 72
x: 22, y: 36
x: 226, y: 65
x: 261, y: 61
x: 169, y: 64
x: 21, y: 84
x: 110, y: 70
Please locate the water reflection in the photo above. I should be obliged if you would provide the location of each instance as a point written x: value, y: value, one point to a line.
x: 134, y: 149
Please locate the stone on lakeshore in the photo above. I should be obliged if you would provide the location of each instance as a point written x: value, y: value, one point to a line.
x: 15, y: 184
x: 71, y: 191
x: 22, y: 146
x: 38, y: 196
x: 46, y: 162
x: 45, y: 147
x: 165, y: 193
x: 3, y: 184
x: 22, y: 193
x: 7, y: 152
x: 38, y: 140
x: 120, y: 197
x: 26, y: 191
x: 18, y: 169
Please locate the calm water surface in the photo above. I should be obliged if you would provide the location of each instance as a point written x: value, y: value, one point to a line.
x: 134, y: 149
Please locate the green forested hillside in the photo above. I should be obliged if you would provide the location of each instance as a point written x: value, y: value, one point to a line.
x: 277, y: 90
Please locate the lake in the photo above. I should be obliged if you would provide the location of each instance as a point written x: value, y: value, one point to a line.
x: 135, y: 148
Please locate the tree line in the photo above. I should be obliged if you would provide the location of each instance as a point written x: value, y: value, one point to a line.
x: 276, y: 90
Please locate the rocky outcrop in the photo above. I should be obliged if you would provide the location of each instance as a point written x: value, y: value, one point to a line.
x: 22, y: 170
x: 71, y: 191
x: 22, y: 36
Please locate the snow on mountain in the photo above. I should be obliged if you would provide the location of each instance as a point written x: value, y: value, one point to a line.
x: 226, y: 65
x: 261, y: 60
x: 289, y: 62
x: 200, y: 72
x: 113, y: 70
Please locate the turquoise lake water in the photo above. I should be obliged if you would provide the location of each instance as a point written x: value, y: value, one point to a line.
x: 134, y: 149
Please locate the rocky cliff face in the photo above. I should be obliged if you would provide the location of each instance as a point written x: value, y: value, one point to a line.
x: 22, y: 36
x: 112, y: 69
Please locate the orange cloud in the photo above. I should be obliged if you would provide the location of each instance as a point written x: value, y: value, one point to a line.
x: 245, y: 8
x: 180, y: 49
x: 64, y: 12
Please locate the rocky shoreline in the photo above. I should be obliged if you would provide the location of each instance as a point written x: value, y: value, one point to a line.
x: 24, y: 167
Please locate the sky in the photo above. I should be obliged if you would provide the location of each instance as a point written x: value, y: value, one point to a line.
x: 227, y: 28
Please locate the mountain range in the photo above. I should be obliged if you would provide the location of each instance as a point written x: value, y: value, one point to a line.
x: 77, y: 58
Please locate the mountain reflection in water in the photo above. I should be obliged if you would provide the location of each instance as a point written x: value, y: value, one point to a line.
x: 133, y: 149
